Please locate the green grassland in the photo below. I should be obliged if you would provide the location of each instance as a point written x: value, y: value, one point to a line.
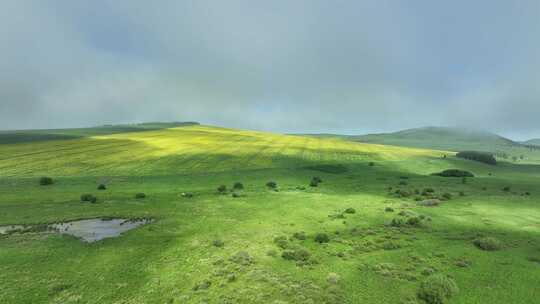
x: 174, y: 259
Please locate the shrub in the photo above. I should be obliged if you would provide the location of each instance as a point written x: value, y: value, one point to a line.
x: 454, y: 173
x: 296, y: 254
x: 437, y: 289
x: 235, y: 195
x: 88, y: 198
x: 299, y: 235
x: 464, y: 180
x: 447, y: 196
x: 350, y: 210
x: 241, y: 258
x: 313, y: 183
x: 238, y: 186
x: 271, y: 185
x: 140, y: 195
x: 429, y: 202
x: 507, y: 189
x: 222, y: 189
x: 461, y: 193
x: 187, y: 194
x: 482, y: 157
x: 403, y: 193
x: 218, y: 243
x: 281, y: 241
x: 389, y: 209
x: 102, y: 187
x: 488, y: 244
x: 397, y: 222
x: 403, y: 183
x: 371, y: 164
x: 322, y: 238
x: 413, y: 221
x: 45, y: 181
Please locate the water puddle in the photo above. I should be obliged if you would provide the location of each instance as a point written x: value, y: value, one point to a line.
x: 90, y: 230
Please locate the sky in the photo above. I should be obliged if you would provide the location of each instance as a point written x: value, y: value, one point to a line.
x: 349, y: 67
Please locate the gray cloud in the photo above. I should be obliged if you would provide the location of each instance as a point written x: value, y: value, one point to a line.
x: 300, y: 66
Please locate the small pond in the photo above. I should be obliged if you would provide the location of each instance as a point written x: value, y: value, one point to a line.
x: 89, y: 230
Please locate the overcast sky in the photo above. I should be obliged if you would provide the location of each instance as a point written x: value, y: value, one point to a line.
x: 289, y: 66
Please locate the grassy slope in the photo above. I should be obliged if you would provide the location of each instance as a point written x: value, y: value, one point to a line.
x: 164, y: 260
x: 20, y: 136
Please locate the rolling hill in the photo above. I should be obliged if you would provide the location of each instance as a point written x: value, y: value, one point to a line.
x: 442, y: 138
x: 532, y: 142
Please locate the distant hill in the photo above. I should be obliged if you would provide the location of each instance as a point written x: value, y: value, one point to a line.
x: 20, y: 136
x: 442, y: 138
x: 532, y: 142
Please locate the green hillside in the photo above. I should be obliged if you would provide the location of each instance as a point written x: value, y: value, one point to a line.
x: 441, y: 138
x: 359, y: 236
x: 19, y: 136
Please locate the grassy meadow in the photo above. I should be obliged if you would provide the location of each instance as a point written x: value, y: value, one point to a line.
x: 259, y: 244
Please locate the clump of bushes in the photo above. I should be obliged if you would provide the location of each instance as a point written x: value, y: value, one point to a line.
x: 488, y: 244
x: 507, y: 189
x: 241, y: 258
x: 429, y: 202
x: 140, y: 195
x: 322, y: 238
x: 402, y: 193
x: 371, y: 164
x: 397, y: 222
x: 350, y: 210
x: 403, y: 183
x: 102, y: 187
x: 296, y: 254
x: 281, y: 242
x: 454, y: 173
x: 447, y: 196
x: 218, y: 243
x: 222, y: 189
x: 238, y: 186
x: 389, y: 209
x: 414, y: 221
x: 45, y: 181
x: 299, y: 235
x: 315, y: 181
x: 437, y: 289
x: 483, y: 157
x: 88, y: 198
x: 271, y: 185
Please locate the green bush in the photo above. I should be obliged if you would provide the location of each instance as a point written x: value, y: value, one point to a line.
x: 322, y: 238
x: 140, y: 195
x: 414, y: 221
x: 371, y: 164
x: 88, y: 198
x: 482, y: 157
x: 218, y: 243
x: 102, y: 187
x: 447, y: 196
x: 222, y: 189
x: 454, y: 173
x: 238, y: 186
x: 296, y: 254
x: 299, y: 235
x: 271, y: 185
x: 397, y: 222
x: 507, y: 189
x: 281, y: 242
x: 389, y: 209
x: 488, y: 244
x: 437, y: 289
x: 45, y: 181
x: 350, y: 210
